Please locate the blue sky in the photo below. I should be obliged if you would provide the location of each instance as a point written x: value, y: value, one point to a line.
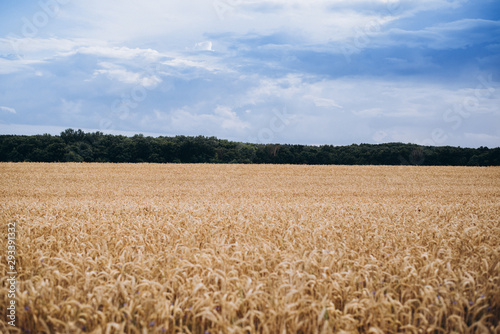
x: 282, y: 71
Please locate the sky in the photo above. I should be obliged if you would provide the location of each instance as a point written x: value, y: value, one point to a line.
x: 312, y: 72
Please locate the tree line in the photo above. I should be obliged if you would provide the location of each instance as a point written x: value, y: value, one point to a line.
x: 78, y: 146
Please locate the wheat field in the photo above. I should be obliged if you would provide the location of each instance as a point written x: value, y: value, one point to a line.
x: 151, y: 248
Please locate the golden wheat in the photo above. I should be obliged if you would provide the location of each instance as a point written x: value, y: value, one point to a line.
x: 148, y: 248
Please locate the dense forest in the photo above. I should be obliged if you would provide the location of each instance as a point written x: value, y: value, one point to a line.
x: 78, y: 146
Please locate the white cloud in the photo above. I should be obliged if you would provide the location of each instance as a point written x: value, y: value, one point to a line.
x: 450, y: 35
x: 186, y: 62
x: 204, y: 46
x: 117, y: 72
x: 119, y: 52
x: 130, y: 20
x: 229, y: 119
x: 8, y: 110
x: 323, y: 102
x: 285, y: 87
x: 44, y: 48
x: 32, y: 51
x: 26, y: 47
x: 12, y: 66
x: 183, y: 24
